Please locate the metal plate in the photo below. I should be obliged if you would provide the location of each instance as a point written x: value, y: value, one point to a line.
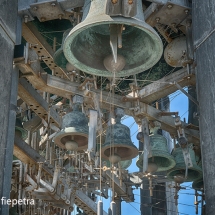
x: 170, y: 14
x: 47, y: 11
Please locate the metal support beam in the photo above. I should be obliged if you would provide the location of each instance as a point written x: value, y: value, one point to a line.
x: 66, y: 88
x: 164, y: 86
x: 36, y: 102
x: 120, y: 188
x: 28, y: 155
x: 204, y: 43
x: 43, y: 49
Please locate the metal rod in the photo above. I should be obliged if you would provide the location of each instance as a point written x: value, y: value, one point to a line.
x: 113, y: 208
x: 100, y: 208
x: 187, y: 94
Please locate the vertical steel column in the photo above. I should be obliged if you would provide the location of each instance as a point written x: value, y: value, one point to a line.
x: 145, y: 199
x: 203, y: 17
x: 118, y: 205
x: 8, y: 95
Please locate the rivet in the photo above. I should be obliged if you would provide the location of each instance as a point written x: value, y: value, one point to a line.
x: 169, y: 6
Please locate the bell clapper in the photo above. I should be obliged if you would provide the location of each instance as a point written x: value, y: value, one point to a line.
x: 71, y: 144
x: 115, y: 62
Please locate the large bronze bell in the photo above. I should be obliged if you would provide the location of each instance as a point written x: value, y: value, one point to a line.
x: 118, y: 145
x: 59, y: 57
x: 161, y: 159
x: 105, y: 42
x: 74, y: 133
x: 194, y: 172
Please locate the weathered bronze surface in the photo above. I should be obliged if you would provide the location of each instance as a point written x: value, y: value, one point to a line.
x: 88, y: 44
x: 118, y: 141
x: 194, y: 172
x: 160, y: 155
x: 74, y: 127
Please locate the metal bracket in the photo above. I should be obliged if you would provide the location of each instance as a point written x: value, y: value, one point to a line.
x: 92, y: 133
x: 126, y: 8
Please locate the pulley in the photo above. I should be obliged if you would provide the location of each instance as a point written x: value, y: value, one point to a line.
x: 113, y: 41
x: 179, y: 171
x: 161, y: 159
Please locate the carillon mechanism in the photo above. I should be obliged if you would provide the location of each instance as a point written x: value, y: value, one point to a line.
x: 90, y: 75
x: 121, y: 45
x: 118, y: 145
x: 199, y: 183
x: 74, y: 133
x: 160, y: 159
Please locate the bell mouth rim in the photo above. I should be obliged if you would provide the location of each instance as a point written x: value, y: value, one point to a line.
x: 58, y: 55
x: 196, y: 183
x: 177, y: 168
x: 115, y: 20
x: 61, y: 134
x: 157, y: 154
x: 129, y: 157
x: 23, y: 132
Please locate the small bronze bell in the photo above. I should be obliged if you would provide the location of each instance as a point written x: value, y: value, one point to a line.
x: 59, y: 57
x: 74, y: 133
x: 118, y: 145
x: 194, y: 172
x: 161, y: 159
x: 19, y: 130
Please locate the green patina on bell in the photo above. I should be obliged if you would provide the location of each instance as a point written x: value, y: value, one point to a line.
x: 194, y: 172
x: 19, y: 130
x: 198, y: 184
x: 87, y: 46
x: 160, y: 155
x: 59, y: 57
x: 74, y: 133
x: 118, y: 145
